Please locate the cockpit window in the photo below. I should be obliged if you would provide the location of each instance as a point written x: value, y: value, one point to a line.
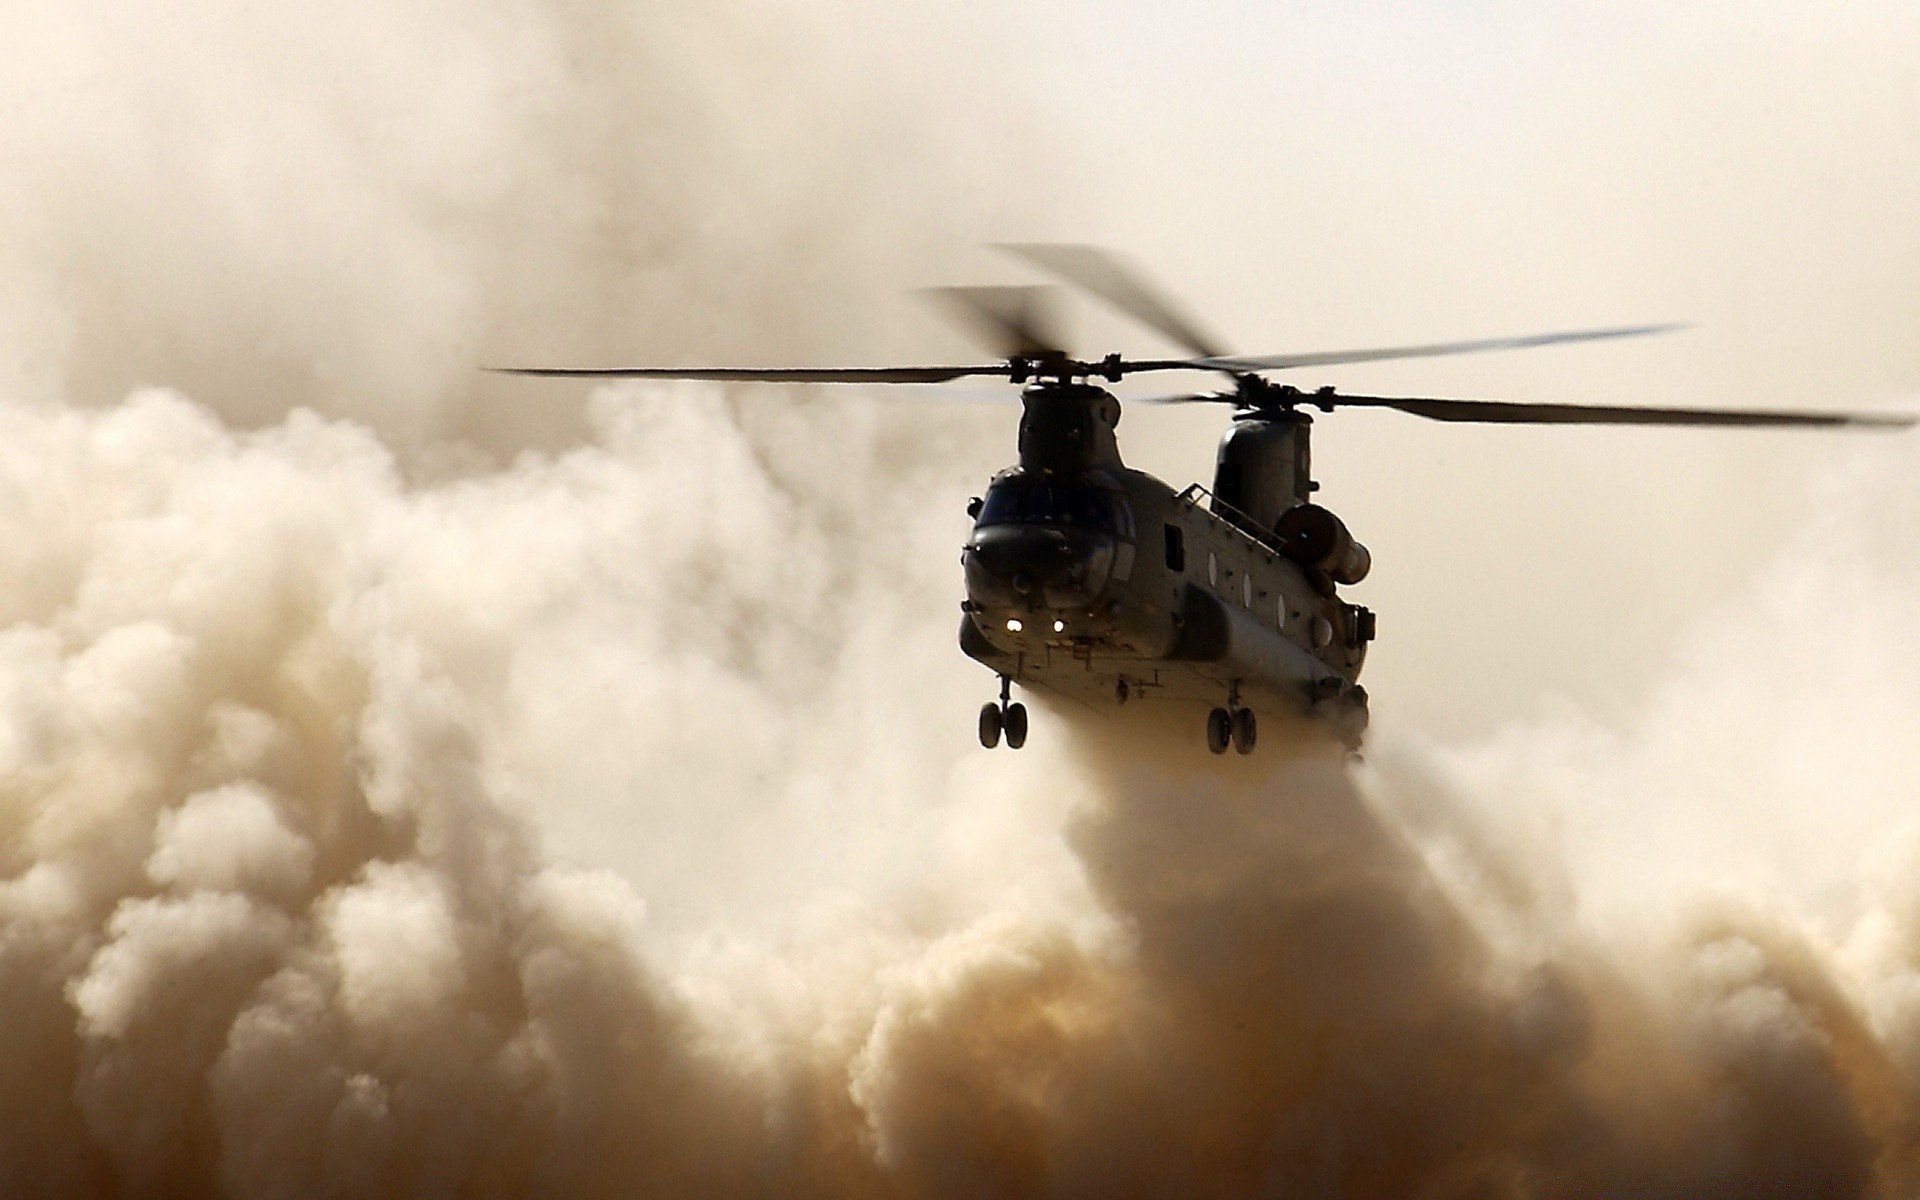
x: 1018, y: 502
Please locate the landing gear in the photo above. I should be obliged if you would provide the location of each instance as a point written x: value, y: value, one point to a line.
x: 1232, y: 725
x: 1245, y: 731
x: 1219, y: 730
x: 990, y: 725
x: 1016, y: 723
x: 1007, y: 718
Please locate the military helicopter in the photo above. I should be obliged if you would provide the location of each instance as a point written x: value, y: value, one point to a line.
x: 1104, y: 585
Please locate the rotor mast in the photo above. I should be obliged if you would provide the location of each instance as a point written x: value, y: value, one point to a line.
x: 1067, y: 427
x: 1264, y: 467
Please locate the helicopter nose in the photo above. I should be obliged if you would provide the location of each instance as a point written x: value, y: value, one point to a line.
x: 1017, y: 564
x: 1019, y: 556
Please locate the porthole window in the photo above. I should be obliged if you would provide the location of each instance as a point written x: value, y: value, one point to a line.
x: 1213, y: 569
x: 1246, y: 590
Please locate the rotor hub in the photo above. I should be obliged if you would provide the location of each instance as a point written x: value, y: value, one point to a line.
x: 1257, y: 395
x: 1059, y: 368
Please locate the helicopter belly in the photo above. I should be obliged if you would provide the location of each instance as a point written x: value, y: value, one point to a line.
x: 1223, y: 653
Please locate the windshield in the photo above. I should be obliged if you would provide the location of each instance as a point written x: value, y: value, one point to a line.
x: 1018, y: 502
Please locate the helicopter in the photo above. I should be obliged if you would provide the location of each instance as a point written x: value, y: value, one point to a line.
x: 1104, y: 585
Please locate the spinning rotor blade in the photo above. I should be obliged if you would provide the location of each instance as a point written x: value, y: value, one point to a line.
x: 1017, y: 322
x: 1497, y: 412
x: 765, y: 374
x: 1187, y: 398
x: 1103, y: 274
x: 1099, y: 272
x: 1506, y: 412
x: 1328, y: 358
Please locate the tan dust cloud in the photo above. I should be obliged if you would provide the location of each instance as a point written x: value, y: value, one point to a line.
x: 277, y: 919
x: 352, y: 208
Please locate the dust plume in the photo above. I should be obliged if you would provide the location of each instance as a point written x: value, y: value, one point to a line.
x: 352, y: 209
x: 278, y: 919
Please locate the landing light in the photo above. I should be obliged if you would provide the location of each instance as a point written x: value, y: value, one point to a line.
x: 1013, y: 625
x: 1059, y: 626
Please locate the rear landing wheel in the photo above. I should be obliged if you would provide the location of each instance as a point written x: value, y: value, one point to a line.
x: 1219, y: 730
x: 1245, y: 731
x: 990, y: 725
x: 1015, y: 721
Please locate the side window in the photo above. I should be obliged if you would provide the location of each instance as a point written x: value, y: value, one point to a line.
x: 1176, y: 549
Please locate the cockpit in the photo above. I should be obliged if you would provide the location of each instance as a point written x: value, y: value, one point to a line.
x: 1040, y: 542
x: 1019, y: 501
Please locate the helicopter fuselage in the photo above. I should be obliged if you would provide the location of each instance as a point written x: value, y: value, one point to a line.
x: 1102, y: 584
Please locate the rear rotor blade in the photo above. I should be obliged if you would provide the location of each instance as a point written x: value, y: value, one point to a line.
x: 1500, y: 412
x: 1328, y: 358
x: 1506, y: 412
x: 766, y: 374
x: 1101, y: 273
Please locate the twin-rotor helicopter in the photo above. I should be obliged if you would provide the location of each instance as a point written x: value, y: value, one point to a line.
x: 1102, y: 584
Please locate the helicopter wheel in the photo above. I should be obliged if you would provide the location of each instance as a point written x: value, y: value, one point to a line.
x: 990, y: 725
x: 1245, y: 731
x: 1015, y: 720
x: 1219, y: 730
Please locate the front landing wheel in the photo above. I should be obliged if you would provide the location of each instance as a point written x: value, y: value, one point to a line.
x: 1245, y: 731
x: 1015, y: 721
x: 990, y: 725
x: 1219, y: 730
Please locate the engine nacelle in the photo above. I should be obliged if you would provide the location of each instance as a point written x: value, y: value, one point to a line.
x: 1313, y: 537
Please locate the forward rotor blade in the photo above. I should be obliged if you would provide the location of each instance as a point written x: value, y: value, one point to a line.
x: 1328, y: 358
x: 1099, y: 272
x: 1017, y: 322
x: 766, y: 374
x: 1500, y: 412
